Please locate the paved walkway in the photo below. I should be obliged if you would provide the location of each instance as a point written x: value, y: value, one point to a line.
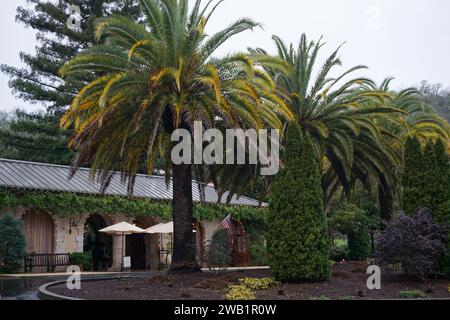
x: 83, y: 274
x: 114, y: 274
x: 29, y: 295
x: 57, y: 274
x: 25, y: 286
x: 232, y: 269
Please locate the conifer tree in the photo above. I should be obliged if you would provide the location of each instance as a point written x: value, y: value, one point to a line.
x: 442, y: 191
x: 298, y: 243
x: 413, y: 176
x: 426, y: 178
x: 12, y: 244
x: 430, y: 174
x: 39, y: 81
x: 37, y: 137
x: 441, y: 197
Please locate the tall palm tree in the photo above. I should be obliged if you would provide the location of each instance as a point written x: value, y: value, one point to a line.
x: 416, y: 120
x: 335, y: 112
x: 154, y: 78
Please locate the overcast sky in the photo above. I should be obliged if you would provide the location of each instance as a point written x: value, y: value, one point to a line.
x: 405, y: 39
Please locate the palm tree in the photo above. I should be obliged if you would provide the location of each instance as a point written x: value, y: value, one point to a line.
x: 336, y: 112
x: 416, y: 120
x: 154, y: 78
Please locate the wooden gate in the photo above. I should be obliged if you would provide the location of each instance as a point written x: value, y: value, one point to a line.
x: 39, y: 232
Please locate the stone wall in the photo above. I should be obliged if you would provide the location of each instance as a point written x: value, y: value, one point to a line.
x: 69, y: 234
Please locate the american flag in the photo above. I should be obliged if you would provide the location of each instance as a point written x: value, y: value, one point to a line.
x: 226, y: 223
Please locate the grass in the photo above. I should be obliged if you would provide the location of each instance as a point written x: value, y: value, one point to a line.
x: 340, y: 243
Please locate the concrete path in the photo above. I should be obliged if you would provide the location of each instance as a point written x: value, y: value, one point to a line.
x: 25, y: 286
x: 56, y: 274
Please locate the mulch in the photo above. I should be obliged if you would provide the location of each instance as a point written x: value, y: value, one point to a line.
x: 348, y: 282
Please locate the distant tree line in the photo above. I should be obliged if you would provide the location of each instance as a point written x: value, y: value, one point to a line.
x: 436, y: 96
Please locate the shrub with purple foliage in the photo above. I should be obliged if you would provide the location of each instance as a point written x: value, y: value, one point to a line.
x: 416, y: 242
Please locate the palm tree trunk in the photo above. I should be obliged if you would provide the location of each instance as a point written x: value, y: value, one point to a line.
x: 386, y: 202
x: 184, y: 253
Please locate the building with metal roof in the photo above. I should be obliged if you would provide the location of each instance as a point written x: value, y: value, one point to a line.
x: 55, y: 178
x: 50, y: 234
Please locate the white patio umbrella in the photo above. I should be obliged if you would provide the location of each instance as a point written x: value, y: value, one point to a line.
x: 162, y: 228
x: 123, y: 229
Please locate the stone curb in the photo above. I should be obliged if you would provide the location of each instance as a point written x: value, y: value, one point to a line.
x: 45, y: 294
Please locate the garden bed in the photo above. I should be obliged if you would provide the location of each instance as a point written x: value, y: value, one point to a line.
x: 348, y: 282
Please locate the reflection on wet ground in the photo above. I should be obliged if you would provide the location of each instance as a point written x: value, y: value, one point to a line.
x: 20, y: 288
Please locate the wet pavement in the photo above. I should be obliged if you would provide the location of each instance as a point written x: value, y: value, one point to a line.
x: 20, y: 289
x: 26, y: 286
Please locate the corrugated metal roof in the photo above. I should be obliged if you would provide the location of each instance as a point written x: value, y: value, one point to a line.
x: 49, y: 177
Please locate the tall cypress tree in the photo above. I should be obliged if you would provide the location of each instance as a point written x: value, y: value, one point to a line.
x: 429, y: 170
x: 298, y: 244
x: 441, y: 194
x: 413, y: 179
x: 426, y: 178
x: 426, y: 183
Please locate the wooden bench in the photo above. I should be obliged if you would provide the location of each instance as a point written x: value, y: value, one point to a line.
x: 48, y: 260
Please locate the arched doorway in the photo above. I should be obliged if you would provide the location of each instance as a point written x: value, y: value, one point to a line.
x: 137, y: 245
x: 39, y: 231
x: 97, y: 243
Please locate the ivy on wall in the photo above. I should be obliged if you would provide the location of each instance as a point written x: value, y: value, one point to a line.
x: 204, y: 212
x: 68, y: 204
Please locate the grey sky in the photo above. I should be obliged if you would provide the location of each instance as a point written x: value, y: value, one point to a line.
x: 406, y: 39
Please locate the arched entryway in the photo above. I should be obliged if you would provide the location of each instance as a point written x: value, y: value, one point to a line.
x: 39, y: 231
x: 98, y: 244
x: 141, y: 248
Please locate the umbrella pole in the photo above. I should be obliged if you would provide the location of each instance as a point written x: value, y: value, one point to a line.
x: 123, y: 243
